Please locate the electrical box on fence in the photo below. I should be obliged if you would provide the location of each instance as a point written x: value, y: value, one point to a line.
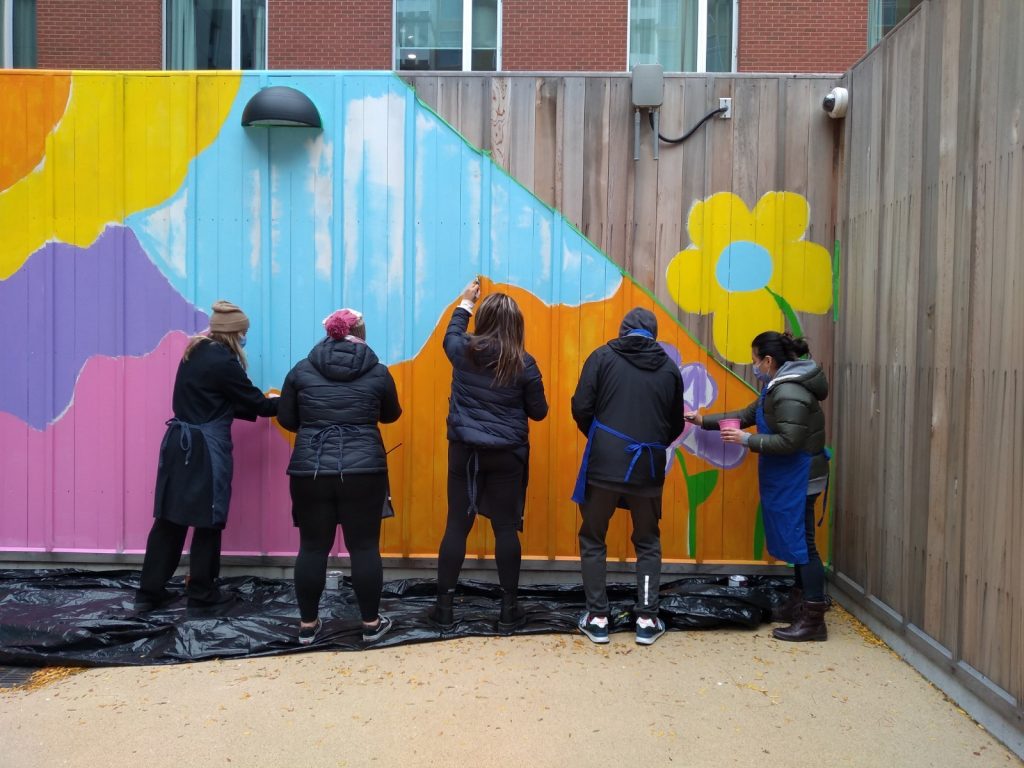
x: 648, y: 86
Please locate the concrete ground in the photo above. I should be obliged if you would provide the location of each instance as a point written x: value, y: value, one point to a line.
x: 721, y: 698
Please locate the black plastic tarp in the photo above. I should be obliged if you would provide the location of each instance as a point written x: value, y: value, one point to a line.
x: 87, y: 618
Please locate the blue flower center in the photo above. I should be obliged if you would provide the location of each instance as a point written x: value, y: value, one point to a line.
x: 744, y: 266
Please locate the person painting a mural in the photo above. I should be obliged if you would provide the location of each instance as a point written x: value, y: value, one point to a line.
x: 496, y: 388
x: 338, y: 471
x: 792, y: 468
x: 629, y: 403
x: 193, y: 483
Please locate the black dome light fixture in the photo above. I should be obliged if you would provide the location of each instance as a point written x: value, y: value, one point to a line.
x: 281, y: 105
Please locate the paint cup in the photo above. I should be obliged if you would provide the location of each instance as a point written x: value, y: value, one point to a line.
x: 334, y: 579
x: 729, y: 424
x: 737, y: 581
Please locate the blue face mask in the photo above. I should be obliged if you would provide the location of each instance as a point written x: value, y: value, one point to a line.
x: 762, y: 377
x: 241, y: 341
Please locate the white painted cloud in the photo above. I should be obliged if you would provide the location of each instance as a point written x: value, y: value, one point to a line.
x: 256, y: 220
x: 167, y: 227
x: 321, y: 188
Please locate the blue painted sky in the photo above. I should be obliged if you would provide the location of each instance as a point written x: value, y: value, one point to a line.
x: 387, y: 210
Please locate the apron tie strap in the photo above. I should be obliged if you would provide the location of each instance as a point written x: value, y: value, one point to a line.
x: 184, y: 438
x: 318, y: 439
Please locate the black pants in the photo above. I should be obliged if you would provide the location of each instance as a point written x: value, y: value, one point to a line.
x: 597, y: 510
x: 494, y: 479
x: 810, y: 577
x: 318, y: 506
x: 163, y: 553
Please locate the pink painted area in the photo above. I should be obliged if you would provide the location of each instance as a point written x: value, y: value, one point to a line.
x: 85, y: 484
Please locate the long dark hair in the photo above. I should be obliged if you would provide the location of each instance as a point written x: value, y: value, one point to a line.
x: 499, y: 329
x: 781, y: 347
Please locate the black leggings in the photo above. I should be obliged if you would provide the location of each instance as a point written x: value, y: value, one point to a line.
x: 810, y: 577
x: 497, y: 481
x: 318, y: 506
x: 163, y: 553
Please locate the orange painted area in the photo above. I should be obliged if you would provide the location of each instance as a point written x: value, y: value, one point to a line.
x: 30, y: 106
x: 560, y: 338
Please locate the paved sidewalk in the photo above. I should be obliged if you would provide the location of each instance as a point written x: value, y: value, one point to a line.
x: 721, y: 698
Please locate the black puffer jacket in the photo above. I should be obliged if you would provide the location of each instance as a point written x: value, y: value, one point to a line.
x: 480, y: 413
x: 632, y: 386
x: 793, y: 411
x: 334, y: 399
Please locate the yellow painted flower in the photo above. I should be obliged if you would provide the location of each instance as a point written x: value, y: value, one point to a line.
x: 740, y: 258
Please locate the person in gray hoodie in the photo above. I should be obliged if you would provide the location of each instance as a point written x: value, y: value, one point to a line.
x: 792, y: 469
x: 629, y: 404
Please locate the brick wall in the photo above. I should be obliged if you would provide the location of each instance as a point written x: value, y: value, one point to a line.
x: 564, y: 35
x: 801, y: 35
x: 329, y: 34
x: 99, y: 34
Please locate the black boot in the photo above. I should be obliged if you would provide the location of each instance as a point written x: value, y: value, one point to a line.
x: 442, y: 613
x: 787, y: 611
x: 513, y: 615
x: 809, y: 624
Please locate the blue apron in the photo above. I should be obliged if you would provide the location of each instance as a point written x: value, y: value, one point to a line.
x: 632, y: 446
x: 217, y: 435
x: 782, y: 481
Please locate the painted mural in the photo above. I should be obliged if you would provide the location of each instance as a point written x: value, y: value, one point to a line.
x: 752, y: 270
x: 129, y: 202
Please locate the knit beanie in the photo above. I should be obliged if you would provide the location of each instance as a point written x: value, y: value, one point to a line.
x: 339, y: 324
x: 228, y: 318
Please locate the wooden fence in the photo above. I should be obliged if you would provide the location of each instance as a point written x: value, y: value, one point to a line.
x: 929, y: 408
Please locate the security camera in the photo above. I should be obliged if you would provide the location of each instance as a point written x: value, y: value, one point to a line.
x: 836, y: 102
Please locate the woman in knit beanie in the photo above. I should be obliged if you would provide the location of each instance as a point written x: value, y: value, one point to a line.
x: 193, y: 485
x: 334, y: 400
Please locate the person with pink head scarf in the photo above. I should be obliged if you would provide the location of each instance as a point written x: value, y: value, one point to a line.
x: 334, y: 400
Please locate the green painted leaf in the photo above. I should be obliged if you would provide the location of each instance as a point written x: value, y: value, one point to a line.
x: 788, y: 313
x: 700, y: 486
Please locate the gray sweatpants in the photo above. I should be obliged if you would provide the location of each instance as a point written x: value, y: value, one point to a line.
x: 597, y: 511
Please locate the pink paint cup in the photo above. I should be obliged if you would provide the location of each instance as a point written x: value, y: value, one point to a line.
x: 729, y: 424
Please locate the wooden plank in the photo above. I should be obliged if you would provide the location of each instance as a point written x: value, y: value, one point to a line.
x: 500, y: 120
x: 595, y: 161
x: 545, y: 132
x: 523, y: 119
x: 620, y: 166
x: 569, y: 174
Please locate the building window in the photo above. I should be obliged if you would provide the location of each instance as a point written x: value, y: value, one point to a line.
x: 883, y: 15
x: 683, y: 35
x: 215, y: 34
x: 448, y: 35
x: 18, y: 33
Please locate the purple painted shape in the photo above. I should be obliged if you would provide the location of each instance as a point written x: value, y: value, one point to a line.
x: 68, y: 304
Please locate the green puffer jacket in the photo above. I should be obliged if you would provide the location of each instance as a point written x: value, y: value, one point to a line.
x: 793, y: 412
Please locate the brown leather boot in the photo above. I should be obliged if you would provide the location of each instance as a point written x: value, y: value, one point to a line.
x: 787, y: 611
x: 808, y: 625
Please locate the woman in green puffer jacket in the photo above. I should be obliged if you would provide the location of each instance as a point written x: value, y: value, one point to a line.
x: 792, y: 469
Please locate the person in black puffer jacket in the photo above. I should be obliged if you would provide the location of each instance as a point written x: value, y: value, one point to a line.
x: 339, y: 473
x: 792, y: 469
x: 496, y: 387
x: 629, y: 403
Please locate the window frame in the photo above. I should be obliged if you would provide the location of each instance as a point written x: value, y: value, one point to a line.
x: 7, y: 31
x: 467, y: 38
x: 702, y: 36
x: 236, y: 35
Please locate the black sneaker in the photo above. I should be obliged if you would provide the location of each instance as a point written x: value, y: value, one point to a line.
x: 594, y: 626
x: 308, y: 634
x: 648, y: 630
x: 373, y: 634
